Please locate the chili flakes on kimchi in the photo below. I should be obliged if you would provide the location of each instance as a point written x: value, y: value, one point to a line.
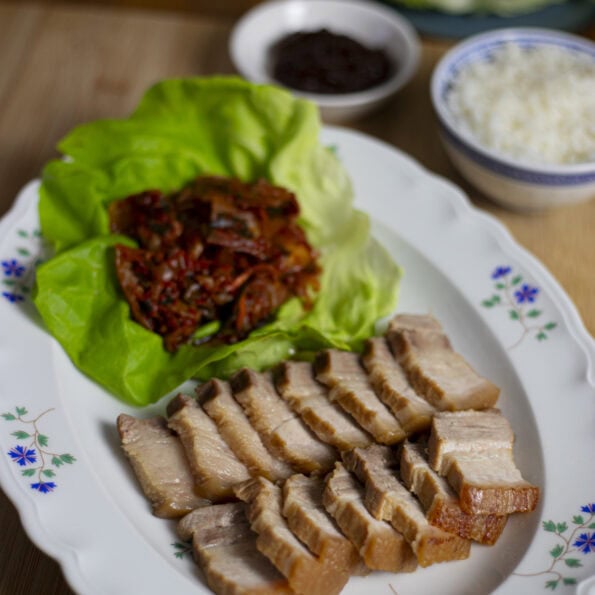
x: 218, y: 250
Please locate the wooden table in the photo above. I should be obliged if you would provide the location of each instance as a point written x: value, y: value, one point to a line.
x: 63, y: 65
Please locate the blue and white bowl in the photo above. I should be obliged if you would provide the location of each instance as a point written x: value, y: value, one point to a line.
x: 511, y: 182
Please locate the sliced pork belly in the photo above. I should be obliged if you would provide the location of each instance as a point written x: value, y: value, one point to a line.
x: 350, y: 388
x: 473, y: 450
x: 441, y: 503
x: 215, y: 467
x: 235, y: 428
x: 435, y: 370
x: 388, y: 499
x: 160, y: 464
x: 283, y: 433
x: 380, y: 546
x: 476, y: 432
x: 221, y: 515
x: 390, y: 383
x: 296, y: 384
x: 225, y: 548
x: 306, y: 573
x: 311, y: 523
x: 491, y: 484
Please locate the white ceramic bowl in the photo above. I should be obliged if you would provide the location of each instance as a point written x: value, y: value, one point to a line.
x: 515, y: 184
x: 371, y: 24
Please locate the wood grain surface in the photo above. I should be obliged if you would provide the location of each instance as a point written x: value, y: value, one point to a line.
x: 61, y: 65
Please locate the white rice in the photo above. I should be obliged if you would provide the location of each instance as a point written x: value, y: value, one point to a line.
x: 536, y: 105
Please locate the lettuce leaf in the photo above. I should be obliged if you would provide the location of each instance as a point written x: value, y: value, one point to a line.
x: 183, y: 128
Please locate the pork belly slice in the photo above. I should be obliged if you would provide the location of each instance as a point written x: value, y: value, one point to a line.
x: 390, y: 383
x: 473, y: 450
x: 235, y: 428
x: 441, y: 503
x: 296, y: 384
x: 306, y: 573
x: 351, y: 389
x: 311, y: 523
x: 476, y: 432
x: 491, y: 484
x: 240, y: 569
x: 225, y: 548
x: 389, y: 500
x: 215, y: 467
x: 380, y: 546
x: 435, y: 370
x: 221, y: 515
x: 159, y: 462
x: 281, y: 430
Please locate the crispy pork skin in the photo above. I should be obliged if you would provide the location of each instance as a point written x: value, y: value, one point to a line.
x: 235, y: 428
x: 390, y: 383
x: 296, y: 384
x: 349, y: 386
x: 281, y: 430
x: 380, y: 546
x: 435, y: 370
x: 215, y: 467
x: 388, y: 499
x: 159, y: 462
x: 473, y: 450
x: 225, y: 548
x: 441, y: 503
x: 311, y: 523
x: 306, y: 573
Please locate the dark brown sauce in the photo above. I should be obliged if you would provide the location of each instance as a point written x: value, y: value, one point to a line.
x: 325, y: 62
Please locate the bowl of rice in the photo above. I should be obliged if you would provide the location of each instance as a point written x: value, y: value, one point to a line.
x: 516, y: 109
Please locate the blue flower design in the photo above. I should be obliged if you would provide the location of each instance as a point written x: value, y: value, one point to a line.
x: 45, y: 487
x: 22, y: 455
x: 501, y: 272
x: 585, y: 542
x: 13, y: 268
x: 526, y: 294
x: 590, y: 508
x: 13, y: 298
x: 37, y: 463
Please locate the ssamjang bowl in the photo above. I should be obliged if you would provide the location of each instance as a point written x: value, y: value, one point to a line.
x: 372, y: 25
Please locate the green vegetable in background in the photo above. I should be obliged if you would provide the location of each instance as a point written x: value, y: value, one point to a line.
x: 183, y: 128
x: 499, y: 7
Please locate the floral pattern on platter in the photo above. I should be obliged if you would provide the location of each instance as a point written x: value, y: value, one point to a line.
x: 37, y: 461
x: 513, y: 293
x: 17, y: 272
x: 567, y: 554
x: 182, y: 549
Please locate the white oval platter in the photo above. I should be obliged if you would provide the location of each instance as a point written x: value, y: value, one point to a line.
x: 61, y: 465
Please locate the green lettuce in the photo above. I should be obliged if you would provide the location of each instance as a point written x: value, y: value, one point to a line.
x: 183, y: 128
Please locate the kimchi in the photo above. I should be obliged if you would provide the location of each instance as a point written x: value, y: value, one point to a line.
x: 218, y: 250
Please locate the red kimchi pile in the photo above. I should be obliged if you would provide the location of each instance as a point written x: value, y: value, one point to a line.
x: 218, y: 250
